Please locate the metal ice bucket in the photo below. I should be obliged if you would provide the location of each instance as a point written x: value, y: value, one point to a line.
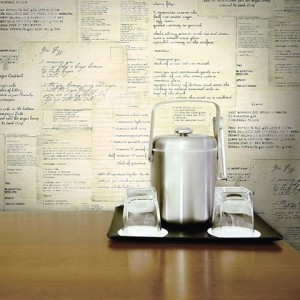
x: 184, y: 169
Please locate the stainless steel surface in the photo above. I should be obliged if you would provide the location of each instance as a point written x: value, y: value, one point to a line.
x: 184, y: 174
x: 218, y: 125
x: 184, y: 169
x: 184, y: 131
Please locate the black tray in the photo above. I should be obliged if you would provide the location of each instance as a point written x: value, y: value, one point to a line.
x: 192, y: 232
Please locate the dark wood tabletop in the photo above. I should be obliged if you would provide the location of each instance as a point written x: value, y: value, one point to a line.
x: 67, y: 255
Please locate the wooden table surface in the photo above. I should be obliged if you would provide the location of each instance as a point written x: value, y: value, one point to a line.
x: 67, y: 255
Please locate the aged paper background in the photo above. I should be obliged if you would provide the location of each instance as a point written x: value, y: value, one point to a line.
x: 78, y: 79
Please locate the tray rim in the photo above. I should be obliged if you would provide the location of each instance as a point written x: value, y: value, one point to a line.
x: 188, y: 233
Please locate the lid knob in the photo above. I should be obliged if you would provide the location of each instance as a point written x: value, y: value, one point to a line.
x: 183, y: 131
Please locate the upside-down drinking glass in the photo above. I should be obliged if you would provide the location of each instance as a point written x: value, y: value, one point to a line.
x: 141, y: 216
x: 233, y: 214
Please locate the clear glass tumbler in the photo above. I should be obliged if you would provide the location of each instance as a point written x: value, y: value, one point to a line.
x: 233, y: 214
x: 141, y: 215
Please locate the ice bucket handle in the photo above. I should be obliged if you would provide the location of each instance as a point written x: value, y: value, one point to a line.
x: 218, y: 124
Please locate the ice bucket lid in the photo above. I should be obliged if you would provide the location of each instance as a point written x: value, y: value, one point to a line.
x: 184, y: 141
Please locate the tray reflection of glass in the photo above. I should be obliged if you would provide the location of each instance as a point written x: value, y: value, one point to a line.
x: 141, y: 216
